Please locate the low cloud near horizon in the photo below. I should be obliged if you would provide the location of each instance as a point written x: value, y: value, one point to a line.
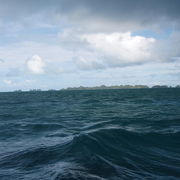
x: 36, y: 65
x: 61, y: 43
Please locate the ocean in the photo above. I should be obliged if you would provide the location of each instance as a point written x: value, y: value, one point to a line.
x: 92, y: 135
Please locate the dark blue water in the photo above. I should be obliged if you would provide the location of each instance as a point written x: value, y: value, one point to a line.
x: 103, y: 134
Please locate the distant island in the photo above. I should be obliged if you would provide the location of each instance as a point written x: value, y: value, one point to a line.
x: 119, y: 87
x: 103, y: 87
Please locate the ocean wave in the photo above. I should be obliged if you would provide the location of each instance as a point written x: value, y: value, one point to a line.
x: 100, y: 135
x: 103, y: 154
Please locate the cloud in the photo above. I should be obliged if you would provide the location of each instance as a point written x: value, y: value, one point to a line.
x: 123, y: 47
x: 1, y: 60
x: 103, y: 50
x: 95, y: 15
x: 29, y: 81
x: 118, y: 49
x: 111, y: 50
x: 36, y: 65
x: 14, y: 72
x: 8, y: 82
x: 121, y: 14
x: 89, y: 63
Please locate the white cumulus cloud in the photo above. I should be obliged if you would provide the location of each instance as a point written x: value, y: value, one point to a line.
x: 122, y: 47
x: 36, y: 65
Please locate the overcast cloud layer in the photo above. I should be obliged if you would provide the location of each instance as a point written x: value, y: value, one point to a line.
x: 60, y: 43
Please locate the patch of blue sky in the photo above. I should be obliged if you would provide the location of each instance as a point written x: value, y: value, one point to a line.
x: 44, y: 30
x: 163, y: 34
x: 29, y: 35
x: 7, y: 40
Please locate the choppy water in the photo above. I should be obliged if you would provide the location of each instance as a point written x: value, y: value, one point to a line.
x: 103, y: 134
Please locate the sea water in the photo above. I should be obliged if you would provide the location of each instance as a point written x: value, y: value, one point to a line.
x: 92, y: 134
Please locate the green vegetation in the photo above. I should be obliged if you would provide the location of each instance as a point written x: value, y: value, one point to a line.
x: 119, y: 87
x: 34, y: 90
x: 163, y: 86
x: 107, y: 87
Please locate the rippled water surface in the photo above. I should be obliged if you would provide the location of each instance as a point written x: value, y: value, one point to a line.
x: 103, y: 134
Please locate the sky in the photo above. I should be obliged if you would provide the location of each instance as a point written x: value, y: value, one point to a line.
x: 54, y: 44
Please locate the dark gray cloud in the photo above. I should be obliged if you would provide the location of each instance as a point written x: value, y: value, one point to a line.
x: 141, y: 12
x: 123, y: 14
x: 152, y: 9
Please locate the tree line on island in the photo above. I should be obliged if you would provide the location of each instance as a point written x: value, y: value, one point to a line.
x: 120, y: 87
x: 107, y: 87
